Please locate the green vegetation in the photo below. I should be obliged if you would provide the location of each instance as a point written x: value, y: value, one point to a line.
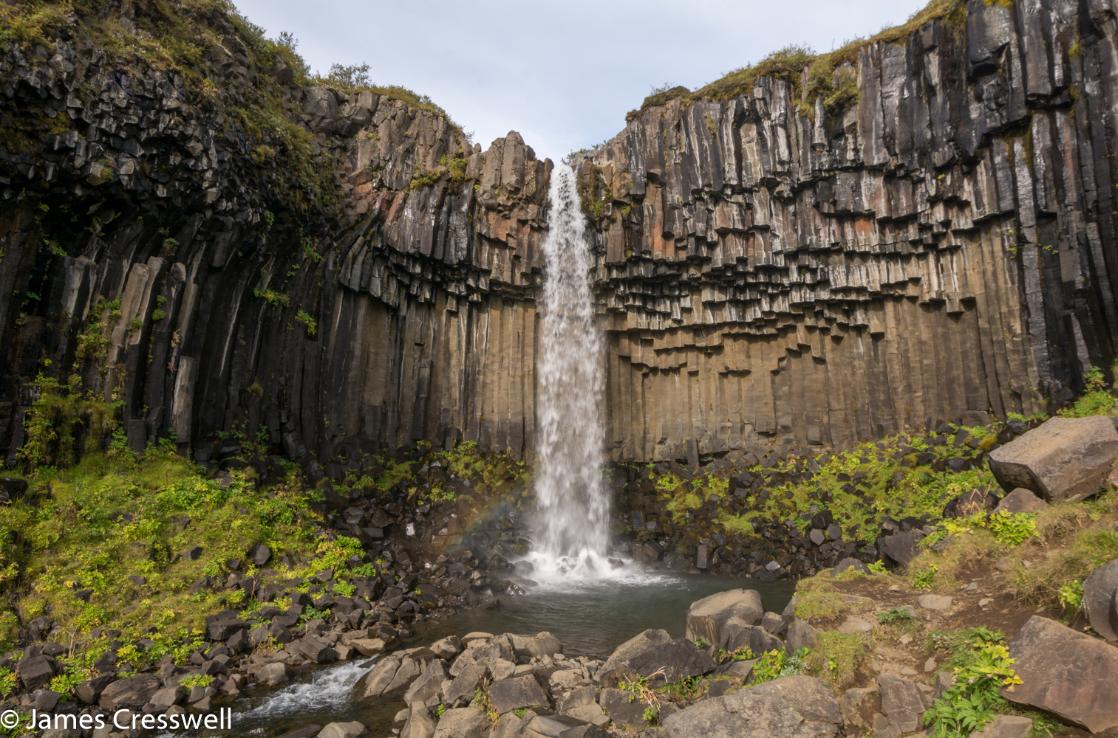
x: 982, y: 667
x: 1074, y: 543
x: 65, y: 421
x: 452, y: 168
x: 896, y: 615
x: 896, y: 477
x: 308, y: 321
x: 272, y: 297
x: 1097, y: 398
x: 837, y: 657
x: 776, y: 664
x: 191, y: 681
x: 831, y: 77
x: 102, y: 544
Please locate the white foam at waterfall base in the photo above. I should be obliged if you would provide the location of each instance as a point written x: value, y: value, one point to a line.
x: 571, y: 545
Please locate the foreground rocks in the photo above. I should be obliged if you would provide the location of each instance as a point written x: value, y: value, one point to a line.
x: 1062, y: 459
x: 794, y: 707
x: 1066, y: 673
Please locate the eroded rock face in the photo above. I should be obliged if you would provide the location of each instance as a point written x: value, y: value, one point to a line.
x: 718, y: 618
x: 771, y: 274
x: 774, y: 272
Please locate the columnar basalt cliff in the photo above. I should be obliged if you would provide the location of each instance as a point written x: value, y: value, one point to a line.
x: 325, y: 271
x: 939, y: 245
x: 236, y: 254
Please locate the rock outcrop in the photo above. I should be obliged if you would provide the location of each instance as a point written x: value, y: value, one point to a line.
x: 1062, y: 459
x: 238, y: 256
x: 940, y: 247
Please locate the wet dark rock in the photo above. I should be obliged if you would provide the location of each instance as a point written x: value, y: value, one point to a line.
x: 36, y: 671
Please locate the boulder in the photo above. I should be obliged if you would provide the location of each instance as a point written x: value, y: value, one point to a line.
x: 935, y: 602
x: 561, y: 726
x: 707, y: 617
x: 1100, y: 597
x: 351, y: 729
x: 510, y: 694
x: 1021, y: 500
x: 419, y: 724
x: 1006, y: 726
x: 391, y: 673
x: 900, y: 548
x: 655, y: 652
x: 131, y: 692
x: 36, y: 671
x: 541, y: 644
x: 801, y: 634
x: 427, y: 686
x: 1066, y: 673
x: 463, y: 722
x: 1061, y: 459
x: 901, y: 702
x: 792, y: 707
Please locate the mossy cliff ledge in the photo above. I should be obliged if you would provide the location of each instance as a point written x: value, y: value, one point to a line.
x: 223, y: 247
x: 821, y: 250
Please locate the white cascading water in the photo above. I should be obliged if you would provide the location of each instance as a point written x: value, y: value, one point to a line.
x: 572, y: 535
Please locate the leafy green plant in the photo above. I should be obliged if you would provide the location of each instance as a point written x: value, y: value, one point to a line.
x: 923, y: 579
x: 190, y: 681
x: 896, y: 615
x: 308, y: 321
x: 982, y: 667
x: 1071, y: 595
x: 639, y: 689
x: 776, y: 664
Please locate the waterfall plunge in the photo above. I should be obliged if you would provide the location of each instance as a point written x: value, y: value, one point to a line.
x: 572, y: 537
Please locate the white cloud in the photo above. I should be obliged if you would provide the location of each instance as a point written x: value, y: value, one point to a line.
x: 562, y: 72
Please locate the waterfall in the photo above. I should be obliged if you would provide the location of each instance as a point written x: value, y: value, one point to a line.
x: 572, y: 531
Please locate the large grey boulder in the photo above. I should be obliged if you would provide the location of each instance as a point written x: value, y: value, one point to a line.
x: 510, y: 694
x: 463, y: 722
x: 1006, y: 726
x: 1100, y: 600
x: 419, y: 724
x: 710, y: 618
x: 1061, y: 459
x: 1021, y: 500
x: 901, y: 702
x: 793, y: 707
x: 1066, y: 673
x: 655, y: 652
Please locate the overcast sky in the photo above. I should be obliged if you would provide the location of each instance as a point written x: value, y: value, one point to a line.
x: 561, y: 72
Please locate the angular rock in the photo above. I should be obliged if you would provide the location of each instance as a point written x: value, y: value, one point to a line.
x: 901, y: 702
x: 1066, y: 673
x: 132, y: 692
x: 792, y: 707
x: 36, y: 671
x: 462, y: 722
x: 707, y: 617
x: 1061, y: 459
x: 1006, y: 726
x: 1100, y: 600
x: 507, y: 695
x: 1021, y: 500
x: 654, y: 652
x: 561, y: 726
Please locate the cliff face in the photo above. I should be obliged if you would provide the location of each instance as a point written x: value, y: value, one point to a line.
x: 238, y: 256
x: 777, y: 273
x: 322, y: 271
